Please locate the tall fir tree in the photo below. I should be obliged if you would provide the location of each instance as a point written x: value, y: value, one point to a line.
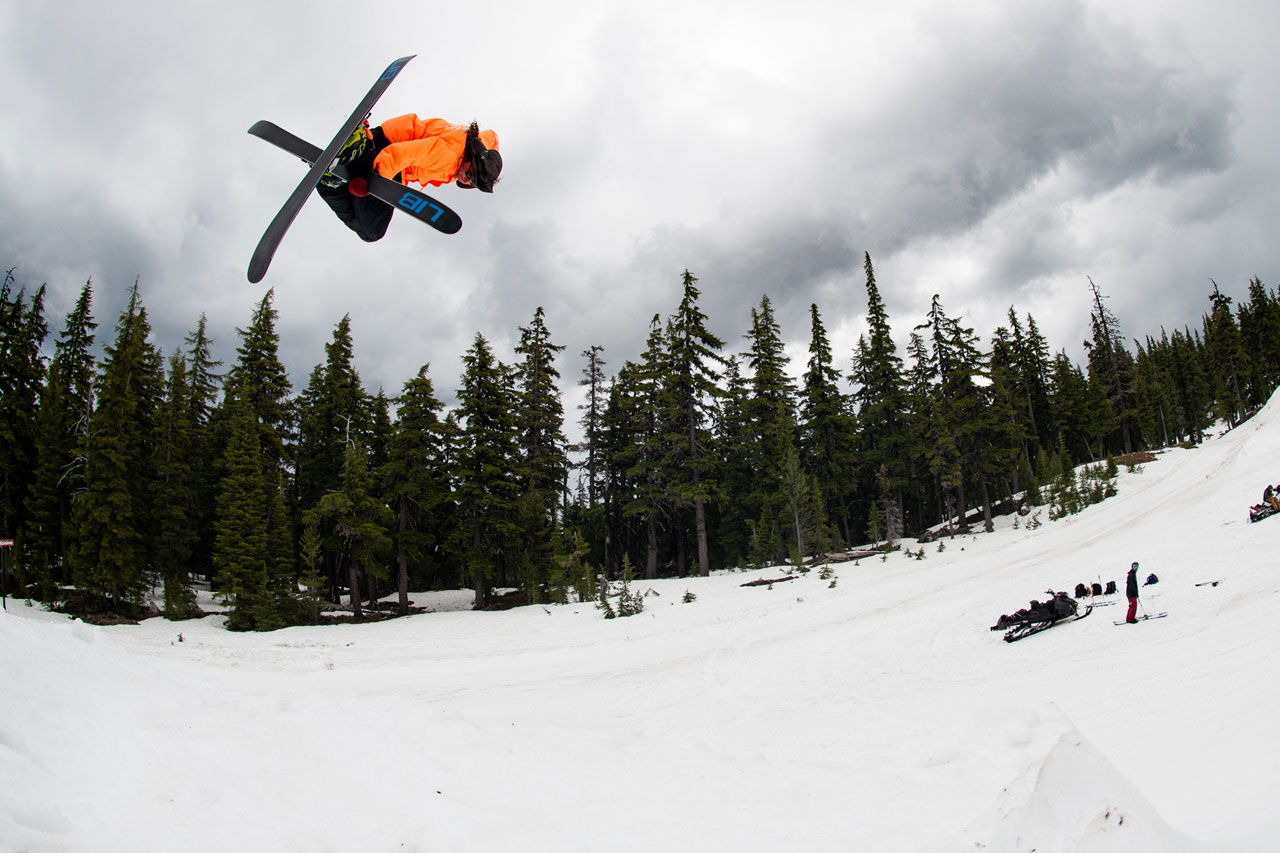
x: 22, y: 374
x: 1002, y: 431
x: 1227, y: 355
x: 879, y: 397
x: 256, y: 405
x: 358, y: 522
x: 259, y: 378
x: 62, y: 424
x: 771, y: 412
x: 690, y: 392
x: 827, y: 427
x: 592, y: 423
x: 488, y: 466
x: 174, y: 500
x: 544, y: 452
x: 734, y: 436
x: 334, y: 410
x: 113, y: 514
x: 642, y: 457
x: 203, y: 385
x: 253, y: 569
x: 418, y: 485
x: 1111, y: 365
x: 1260, y: 330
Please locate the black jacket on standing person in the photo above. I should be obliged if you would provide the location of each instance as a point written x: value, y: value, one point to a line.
x: 1131, y: 584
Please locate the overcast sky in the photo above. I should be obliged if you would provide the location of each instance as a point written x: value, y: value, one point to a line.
x: 995, y: 153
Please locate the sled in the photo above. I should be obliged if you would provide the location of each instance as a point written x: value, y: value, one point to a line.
x: 1059, y: 609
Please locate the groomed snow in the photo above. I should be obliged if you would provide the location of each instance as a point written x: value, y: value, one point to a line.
x: 879, y: 715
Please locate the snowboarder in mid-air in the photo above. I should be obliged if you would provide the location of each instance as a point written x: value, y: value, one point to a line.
x: 406, y: 148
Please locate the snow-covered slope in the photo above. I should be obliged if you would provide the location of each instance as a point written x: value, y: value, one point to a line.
x: 878, y: 714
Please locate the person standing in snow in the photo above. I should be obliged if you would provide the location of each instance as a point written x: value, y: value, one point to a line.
x: 430, y: 152
x: 1131, y: 590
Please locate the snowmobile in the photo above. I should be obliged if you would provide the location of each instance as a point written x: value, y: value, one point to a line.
x: 1257, y: 512
x: 1040, y: 616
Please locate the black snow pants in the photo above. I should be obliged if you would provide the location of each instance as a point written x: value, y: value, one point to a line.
x: 365, y: 215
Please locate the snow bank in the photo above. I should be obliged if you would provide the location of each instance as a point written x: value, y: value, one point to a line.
x: 1073, y: 801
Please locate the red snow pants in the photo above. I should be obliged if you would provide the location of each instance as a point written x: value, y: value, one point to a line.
x: 1133, y: 610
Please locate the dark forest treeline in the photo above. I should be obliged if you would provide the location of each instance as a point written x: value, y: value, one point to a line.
x: 136, y: 469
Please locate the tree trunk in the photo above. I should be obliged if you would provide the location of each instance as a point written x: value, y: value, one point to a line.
x: 353, y: 578
x: 795, y: 520
x: 403, y: 559
x: 987, y: 523
x: 704, y: 560
x: 651, y: 562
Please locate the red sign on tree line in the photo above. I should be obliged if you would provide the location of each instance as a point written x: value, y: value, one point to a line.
x: 6, y: 543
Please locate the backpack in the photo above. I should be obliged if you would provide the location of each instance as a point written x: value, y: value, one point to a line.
x: 1111, y: 587
x: 1081, y: 590
x: 1151, y: 578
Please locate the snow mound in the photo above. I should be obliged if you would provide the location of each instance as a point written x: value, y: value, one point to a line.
x: 1074, y: 801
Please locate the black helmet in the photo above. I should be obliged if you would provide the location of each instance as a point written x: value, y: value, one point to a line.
x: 486, y: 164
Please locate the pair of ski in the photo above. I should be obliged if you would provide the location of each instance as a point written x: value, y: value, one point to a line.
x: 1143, y: 618
x: 417, y: 204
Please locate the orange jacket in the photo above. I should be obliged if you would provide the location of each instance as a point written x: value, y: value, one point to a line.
x: 426, y: 151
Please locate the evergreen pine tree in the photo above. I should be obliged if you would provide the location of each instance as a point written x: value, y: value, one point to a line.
x: 1222, y: 337
x: 734, y: 437
x: 640, y: 390
x: 253, y: 486
x: 1073, y: 421
x: 771, y: 412
x: 826, y: 427
x: 955, y: 423
x: 417, y: 482
x: 1260, y: 330
x: 487, y: 466
x: 1003, y: 431
x: 880, y: 399
x: 22, y: 373
x: 1112, y: 367
x: 592, y: 423
x: 242, y: 543
x: 540, y: 421
x: 334, y: 409
x: 175, y: 508
x: 258, y: 378
x: 311, y: 555
x: 62, y: 423
x: 358, y: 522
x: 112, y: 516
x: 592, y: 516
x: 203, y: 386
x: 690, y: 392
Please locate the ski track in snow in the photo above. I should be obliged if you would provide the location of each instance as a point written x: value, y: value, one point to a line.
x: 882, y: 714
